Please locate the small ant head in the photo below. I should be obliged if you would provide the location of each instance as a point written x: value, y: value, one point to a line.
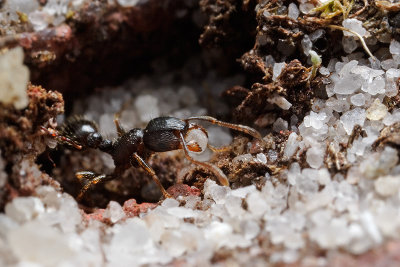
x: 196, y: 138
x: 94, y: 140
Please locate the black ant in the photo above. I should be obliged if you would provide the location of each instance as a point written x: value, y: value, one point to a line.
x: 134, y: 147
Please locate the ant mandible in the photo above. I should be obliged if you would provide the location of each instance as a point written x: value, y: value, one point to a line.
x: 134, y: 147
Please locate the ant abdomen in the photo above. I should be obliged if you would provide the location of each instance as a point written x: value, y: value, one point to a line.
x: 162, y: 134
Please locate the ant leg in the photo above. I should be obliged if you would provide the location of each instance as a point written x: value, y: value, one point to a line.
x: 218, y: 149
x: 117, y: 115
x: 120, y: 130
x: 60, y: 138
x: 150, y: 171
x: 238, y: 127
x: 88, y: 179
x: 223, y: 180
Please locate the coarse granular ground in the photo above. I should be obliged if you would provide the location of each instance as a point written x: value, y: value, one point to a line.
x: 322, y: 188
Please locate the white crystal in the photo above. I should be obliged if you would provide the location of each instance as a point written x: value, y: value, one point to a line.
x: 351, y: 118
x: 242, y: 158
x: 40, y: 20
x: 218, y: 232
x: 187, y: 96
x: 315, y: 157
x: 370, y: 227
x: 314, y: 36
x: 306, y: 44
x: 176, y: 242
x: 106, y: 123
x: 392, y: 74
x: 367, y: 73
x: 389, y: 64
x: 128, y: 3
x: 392, y: 118
x: 219, y: 136
x: 277, y: 69
x: 305, y: 8
x: 280, y: 101
x: 234, y: 207
x: 293, y: 11
x: 292, y: 145
x: 242, y: 192
x: 215, y: 192
x: 250, y: 229
x: 170, y: 203
x: 306, y: 185
x: 261, y: 158
x: 379, y: 163
x: 354, y: 25
x: 147, y: 108
x: 391, y: 88
x: 39, y: 243
x: 6, y: 225
x: 321, y: 217
x: 377, y: 86
x: 182, y: 212
x: 317, y: 119
x: 272, y: 155
x: 324, y: 177
x: 333, y: 234
x: 349, y: 44
x: 384, y: 220
x: 324, y: 71
x: 394, y: 47
x: 358, y: 99
x: 348, y: 84
x: 256, y: 204
x: 280, y: 125
x: 22, y: 209
x: 294, y: 173
x: 131, y: 245
x: 344, y: 69
x: 114, y: 212
x: 269, y: 61
x: 266, y: 13
x: 338, y: 103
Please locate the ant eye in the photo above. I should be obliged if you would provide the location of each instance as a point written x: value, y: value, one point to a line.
x: 196, y: 140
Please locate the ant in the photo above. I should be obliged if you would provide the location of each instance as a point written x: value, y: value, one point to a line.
x: 134, y: 147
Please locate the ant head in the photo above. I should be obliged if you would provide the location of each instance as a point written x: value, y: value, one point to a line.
x: 196, y: 138
x: 94, y: 140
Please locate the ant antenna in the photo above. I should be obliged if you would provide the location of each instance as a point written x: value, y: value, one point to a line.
x: 61, y: 138
x: 238, y: 127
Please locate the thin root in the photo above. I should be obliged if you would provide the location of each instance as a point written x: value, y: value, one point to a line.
x: 337, y: 27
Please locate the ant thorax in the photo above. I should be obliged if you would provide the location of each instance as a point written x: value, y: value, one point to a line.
x: 196, y: 139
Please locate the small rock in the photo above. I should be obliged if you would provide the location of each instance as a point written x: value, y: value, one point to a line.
x: 376, y: 111
x: 177, y: 190
x: 387, y: 185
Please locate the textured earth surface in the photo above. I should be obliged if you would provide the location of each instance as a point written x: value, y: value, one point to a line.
x: 318, y: 79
